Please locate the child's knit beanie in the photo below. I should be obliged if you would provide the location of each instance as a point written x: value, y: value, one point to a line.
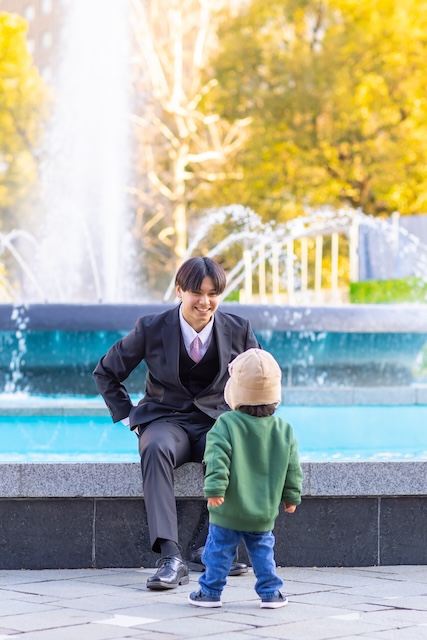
x: 255, y: 378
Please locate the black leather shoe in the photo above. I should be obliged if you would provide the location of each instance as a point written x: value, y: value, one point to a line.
x: 172, y: 572
x: 195, y: 564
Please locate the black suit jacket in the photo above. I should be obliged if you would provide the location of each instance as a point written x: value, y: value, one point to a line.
x: 156, y: 340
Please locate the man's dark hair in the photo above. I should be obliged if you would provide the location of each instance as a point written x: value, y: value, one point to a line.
x: 192, y: 272
x: 258, y: 410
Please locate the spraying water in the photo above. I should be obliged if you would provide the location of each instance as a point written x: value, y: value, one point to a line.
x: 276, y: 241
x: 84, y: 252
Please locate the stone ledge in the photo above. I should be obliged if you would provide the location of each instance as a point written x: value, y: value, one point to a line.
x: 123, y: 480
x: 291, y: 396
x: 397, y: 478
x: 365, y: 318
x: 349, y: 396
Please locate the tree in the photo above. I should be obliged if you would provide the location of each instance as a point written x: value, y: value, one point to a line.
x: 336, y: 93
x: 181, y: 149
x: 22, y: 104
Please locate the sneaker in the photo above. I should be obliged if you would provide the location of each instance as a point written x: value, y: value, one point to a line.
x: 275, y: 602
x: 199, y: 599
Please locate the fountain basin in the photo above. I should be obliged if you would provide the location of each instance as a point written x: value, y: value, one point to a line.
x: 354, y: 513
x: 55, y: 347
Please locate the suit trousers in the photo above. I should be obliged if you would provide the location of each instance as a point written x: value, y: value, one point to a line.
x: 164, y: 445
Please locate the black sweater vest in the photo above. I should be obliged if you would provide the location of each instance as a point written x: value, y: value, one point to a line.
x: 196, y: 377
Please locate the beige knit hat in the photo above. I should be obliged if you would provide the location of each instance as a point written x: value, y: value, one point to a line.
x: 255, y: 378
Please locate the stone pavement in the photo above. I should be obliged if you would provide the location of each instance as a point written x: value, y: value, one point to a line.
x: 373, y: 603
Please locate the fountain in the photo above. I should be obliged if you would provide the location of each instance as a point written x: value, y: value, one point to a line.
x: 82, y: 249
x: 317, y: 346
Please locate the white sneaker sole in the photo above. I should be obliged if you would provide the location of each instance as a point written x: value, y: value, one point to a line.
x: 273, y: 605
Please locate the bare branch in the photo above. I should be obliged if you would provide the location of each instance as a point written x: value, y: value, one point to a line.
x: 163, y: 189
x: 182, y: 148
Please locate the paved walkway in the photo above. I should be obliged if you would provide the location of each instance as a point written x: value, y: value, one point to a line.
x: 375, y: 603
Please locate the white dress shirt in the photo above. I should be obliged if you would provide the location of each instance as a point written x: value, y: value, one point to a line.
x: 188, y: 333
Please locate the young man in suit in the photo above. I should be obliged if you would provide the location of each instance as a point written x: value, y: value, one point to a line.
x: 186, y: 351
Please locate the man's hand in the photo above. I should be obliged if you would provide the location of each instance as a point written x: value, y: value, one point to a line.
x: 290, y: 508
x: 215, y: 502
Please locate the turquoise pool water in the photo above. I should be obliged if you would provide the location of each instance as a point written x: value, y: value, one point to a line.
x: 61, y: 362
x: 324, y: 433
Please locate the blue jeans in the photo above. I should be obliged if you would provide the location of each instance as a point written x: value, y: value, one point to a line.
x: 219, y: 553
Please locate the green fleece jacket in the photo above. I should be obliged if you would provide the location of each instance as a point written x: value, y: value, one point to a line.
x: 253, y: 464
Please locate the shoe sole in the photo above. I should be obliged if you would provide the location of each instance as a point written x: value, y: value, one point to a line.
x: 206, y: 605
x: 195, y: 566
x: 161, y: 586
x: 273, y: 605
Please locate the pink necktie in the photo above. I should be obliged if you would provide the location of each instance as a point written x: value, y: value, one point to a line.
x: 195, y: 353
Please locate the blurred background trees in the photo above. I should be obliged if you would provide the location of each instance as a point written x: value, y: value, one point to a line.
x: 336, y: 93
x: 23, y: 108
x: 181, y: 149
x: 277, y: 106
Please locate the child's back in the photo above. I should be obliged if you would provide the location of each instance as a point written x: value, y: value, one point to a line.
x: 252, y: 465
x: 252, y: 462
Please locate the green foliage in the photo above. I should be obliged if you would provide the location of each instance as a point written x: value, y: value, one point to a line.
x: 22, y: 104
x: 389, y: 291
x: 336, y: 93
x: 233, y: 296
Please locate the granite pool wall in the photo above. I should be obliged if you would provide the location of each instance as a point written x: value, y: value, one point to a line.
x: 92, y: 515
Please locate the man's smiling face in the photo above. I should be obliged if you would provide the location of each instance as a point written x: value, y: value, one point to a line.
x: 198, y: 307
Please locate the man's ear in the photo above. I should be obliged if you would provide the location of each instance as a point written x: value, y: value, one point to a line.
x: 178, y: 291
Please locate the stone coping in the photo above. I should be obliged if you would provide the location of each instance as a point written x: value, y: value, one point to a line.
x: 114, y: 480
x: 291, y: 396
x: 364, y: 318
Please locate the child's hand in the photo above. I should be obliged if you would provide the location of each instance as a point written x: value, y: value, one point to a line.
x: 290, y: 508
x: 215, y: 502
